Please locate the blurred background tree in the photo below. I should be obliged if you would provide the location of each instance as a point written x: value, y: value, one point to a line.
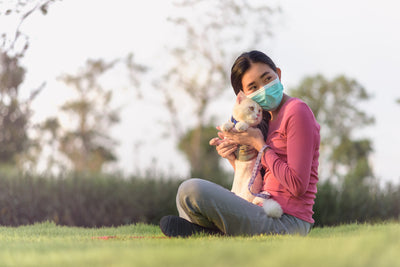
x: 208, y: 167
x: 336, y: 106
x: 15, y: 113
x: 200, y: 67
x: 85, y: 139
x: 87, y: 144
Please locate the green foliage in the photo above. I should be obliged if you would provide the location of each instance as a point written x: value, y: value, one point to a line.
x: 84, y: 200
x: 14, y: 113
x: 105, y: 200
x: 335, y: 102
x: 360, y: 202
x: 13, y: 137
x: 204, y: 160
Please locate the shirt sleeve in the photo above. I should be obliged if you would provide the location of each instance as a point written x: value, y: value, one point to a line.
x: 294, y: 174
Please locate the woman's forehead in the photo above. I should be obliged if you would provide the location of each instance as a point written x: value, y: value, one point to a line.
x: 256, y: 71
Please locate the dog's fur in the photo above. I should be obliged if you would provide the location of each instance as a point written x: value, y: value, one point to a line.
x: 248, y: 113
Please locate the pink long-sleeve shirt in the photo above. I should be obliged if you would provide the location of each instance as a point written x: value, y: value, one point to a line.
x: 292, y: 162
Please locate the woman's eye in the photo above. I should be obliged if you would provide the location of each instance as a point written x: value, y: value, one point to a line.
x: 268, y: 79
x: 251, y: 108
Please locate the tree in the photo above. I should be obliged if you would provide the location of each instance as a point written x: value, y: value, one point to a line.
x: 14, y: 41
x: 50, y: 132
x: 15, y: 112
x: 203, y: 159
x: 87, y: 145
x: 14, y: 115
x: 335, y: 106
x: 85, y: 140
x: 214, y: 32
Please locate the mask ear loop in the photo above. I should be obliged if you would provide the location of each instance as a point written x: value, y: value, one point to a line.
x: 256, y: 169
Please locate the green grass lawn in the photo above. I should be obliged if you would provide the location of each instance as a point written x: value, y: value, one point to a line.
x: 144, y: 245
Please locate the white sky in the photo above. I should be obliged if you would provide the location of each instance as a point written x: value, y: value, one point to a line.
x: 357, y: 38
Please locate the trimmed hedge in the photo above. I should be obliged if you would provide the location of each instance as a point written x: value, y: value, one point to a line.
x: 336, y: 205
x: 85, y: 201
x: 95, y: 201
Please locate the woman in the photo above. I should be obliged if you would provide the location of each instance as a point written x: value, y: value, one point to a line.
x: 290, y: 154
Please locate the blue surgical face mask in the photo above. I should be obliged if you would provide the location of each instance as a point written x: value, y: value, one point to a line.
x: 269, y: 96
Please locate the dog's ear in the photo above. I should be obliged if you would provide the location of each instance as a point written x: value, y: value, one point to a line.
x: 240, y: 97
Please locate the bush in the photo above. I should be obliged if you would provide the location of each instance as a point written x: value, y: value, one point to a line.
x: 109, y: 200
x: 89, y: 201
x: 336, y: 205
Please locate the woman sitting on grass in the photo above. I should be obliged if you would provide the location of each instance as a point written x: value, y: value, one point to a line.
x: 290, y: 162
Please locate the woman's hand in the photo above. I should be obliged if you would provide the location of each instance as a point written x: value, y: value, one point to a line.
x: 225, y: 147
x: 252, y: 137
x: 258, y: 201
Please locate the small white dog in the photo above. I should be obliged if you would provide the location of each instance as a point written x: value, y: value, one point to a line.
x: 247, y: 113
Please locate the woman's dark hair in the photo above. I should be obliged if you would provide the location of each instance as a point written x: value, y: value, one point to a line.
x: 241, y: 65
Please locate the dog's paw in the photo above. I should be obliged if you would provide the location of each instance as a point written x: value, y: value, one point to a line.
x: 241, y: 126
x: 227, y: 126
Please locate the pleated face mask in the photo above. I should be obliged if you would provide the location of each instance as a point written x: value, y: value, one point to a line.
x: 269, y: 96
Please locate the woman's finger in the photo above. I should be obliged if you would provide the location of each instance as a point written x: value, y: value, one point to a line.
x: 233, y: 136
x: 221, y: 135
x: 215, y: 141
x: 225, y: 150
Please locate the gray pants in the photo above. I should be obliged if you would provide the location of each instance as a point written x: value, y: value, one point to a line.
x: 212, y: 206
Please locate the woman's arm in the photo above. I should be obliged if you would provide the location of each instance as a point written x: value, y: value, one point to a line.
x: 294, y: 174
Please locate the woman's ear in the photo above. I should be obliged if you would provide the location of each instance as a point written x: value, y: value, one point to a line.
x: 278, y: 71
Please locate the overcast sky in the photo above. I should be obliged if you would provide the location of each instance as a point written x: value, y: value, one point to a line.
x: 359, y: 39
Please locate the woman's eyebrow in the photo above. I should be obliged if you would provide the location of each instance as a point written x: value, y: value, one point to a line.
x: 250, y: 84
x: 264, y: 74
